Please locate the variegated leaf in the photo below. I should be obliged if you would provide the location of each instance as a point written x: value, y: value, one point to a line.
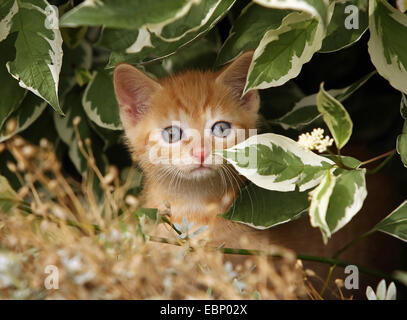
x: 148, y: 44
x: 8, y: 8
x: 127, y: 14
x: 335, y: 116
x: 102, y: 109
x: 282, y: 52
x: 248, y: 30
x: 29, y: 111
x: 305, y: 111
x: 337, y: 200
x: 38, y: 46
x: 349, y: 22
x: 66, y: 130
x: 11, y: 94
x: 319, y: 203
x: 387, y: 43
x: 316, y: 8
x: 278, y: 163
x: 395, y: 224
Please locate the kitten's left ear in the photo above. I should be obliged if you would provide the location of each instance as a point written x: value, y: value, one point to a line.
x: 235, y: 75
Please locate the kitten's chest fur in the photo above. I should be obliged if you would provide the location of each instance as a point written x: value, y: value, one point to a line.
x: 197, y: 201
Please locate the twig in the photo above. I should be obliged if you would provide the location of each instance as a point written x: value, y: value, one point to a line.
x: 383, y: 163
x: 339, y: 252
x: 306, y: 257
x: 391, y: 152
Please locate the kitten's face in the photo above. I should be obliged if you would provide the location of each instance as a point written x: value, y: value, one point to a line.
x: 173, y: 126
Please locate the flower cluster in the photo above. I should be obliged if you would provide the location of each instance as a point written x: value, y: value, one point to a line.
x: 315, y: 140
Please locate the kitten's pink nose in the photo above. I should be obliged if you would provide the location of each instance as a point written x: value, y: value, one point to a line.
x: 200, y: 154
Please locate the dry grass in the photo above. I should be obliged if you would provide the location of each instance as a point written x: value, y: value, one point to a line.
x: 101, y: 248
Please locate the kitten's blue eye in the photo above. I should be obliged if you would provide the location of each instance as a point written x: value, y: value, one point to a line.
x: 172, y: 134
x: 221, y: 129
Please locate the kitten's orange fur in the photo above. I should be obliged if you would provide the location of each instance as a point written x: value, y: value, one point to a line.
x: 197, y: 98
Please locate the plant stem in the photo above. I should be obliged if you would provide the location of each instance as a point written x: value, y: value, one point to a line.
x: 339, y: 252
x: 383, y: 163
x: 353, y: 242
x: 167, y: 221
x: 338, y: 160
x: 379, y: 157
x: 328, y: 279
x: 306, y: 257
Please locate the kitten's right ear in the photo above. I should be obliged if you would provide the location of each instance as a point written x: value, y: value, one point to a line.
x: 234, y: 76
x: 133, y: 90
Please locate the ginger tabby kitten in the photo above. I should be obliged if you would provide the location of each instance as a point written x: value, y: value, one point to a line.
x: 180, y: 119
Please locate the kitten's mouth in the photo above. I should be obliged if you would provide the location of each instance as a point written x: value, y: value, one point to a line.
x: 201, y: 168
x: 201, y: 171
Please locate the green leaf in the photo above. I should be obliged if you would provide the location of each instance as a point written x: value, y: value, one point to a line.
x: 338, y: 36
x: 127, y: 14
x: 7, y: 196
x: 261, y: 208
x: 11, y: 94
x: 350, y: 162
x: 102, y: 109
x: 66, y: 131
x: 154, y: 44
x: 282, y: 52
x: 29, y: 111
x: 248, y: 30
x: 151, y: 213
x: 117, y: 39
x: 8, y: 8
x: 387, y: 44
x: 395, y: 224
x: 335, y: 116
x: 305, y: 111
x: 38, y: 50
x: 401, y: 144
x: 275, y: 162
x: 316, y: 8
x: 337, y: 200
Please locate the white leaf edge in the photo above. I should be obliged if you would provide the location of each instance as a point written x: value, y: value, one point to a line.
x: 6, y: 22
x: 301, y: 5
